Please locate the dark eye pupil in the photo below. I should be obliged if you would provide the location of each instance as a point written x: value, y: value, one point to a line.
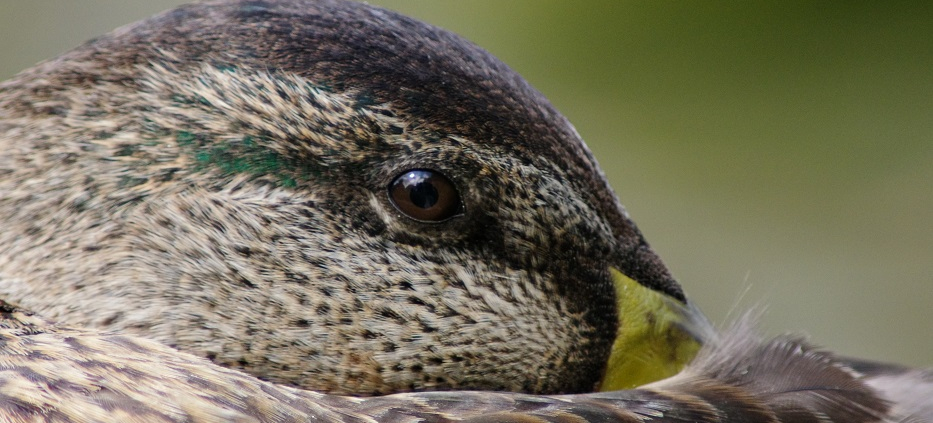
x: 424, y: 195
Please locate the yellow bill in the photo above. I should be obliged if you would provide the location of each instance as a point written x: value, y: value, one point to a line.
x: 658, y: 335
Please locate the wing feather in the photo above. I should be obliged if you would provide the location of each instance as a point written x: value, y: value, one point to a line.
x: 50, y: 373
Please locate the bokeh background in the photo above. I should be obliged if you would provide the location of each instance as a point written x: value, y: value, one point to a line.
x: 776, y: 154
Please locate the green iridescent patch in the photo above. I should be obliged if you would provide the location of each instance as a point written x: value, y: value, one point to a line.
x: 244, y: 156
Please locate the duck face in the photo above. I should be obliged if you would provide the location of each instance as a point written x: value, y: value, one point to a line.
x: 325, y: 195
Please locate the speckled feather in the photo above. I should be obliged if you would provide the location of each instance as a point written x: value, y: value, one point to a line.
x: 200, y: 161
x: 204, y: 195
x: 64, y: 375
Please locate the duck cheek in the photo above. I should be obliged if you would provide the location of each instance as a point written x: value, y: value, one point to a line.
x: 459, y: 327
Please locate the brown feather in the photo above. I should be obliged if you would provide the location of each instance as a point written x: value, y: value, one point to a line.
x: 57, y: 374
x: 204, y: 194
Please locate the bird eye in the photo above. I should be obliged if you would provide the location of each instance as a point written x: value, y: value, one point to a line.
x: 425, y: 195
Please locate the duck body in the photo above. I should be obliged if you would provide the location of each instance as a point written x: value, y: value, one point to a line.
x: 59, y: 374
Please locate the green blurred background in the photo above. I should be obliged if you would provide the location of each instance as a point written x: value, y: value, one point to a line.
x: 776, y: 154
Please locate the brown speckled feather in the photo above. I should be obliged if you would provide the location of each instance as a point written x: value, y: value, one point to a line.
x: 56, y: 374
x: 200, y: 202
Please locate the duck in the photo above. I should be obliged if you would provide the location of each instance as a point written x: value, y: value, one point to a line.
x: 305, y: 210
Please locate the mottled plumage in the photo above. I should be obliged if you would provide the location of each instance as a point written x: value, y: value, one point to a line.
x: 205, y: 195
x: 230, y: 154
x: 70, y: 375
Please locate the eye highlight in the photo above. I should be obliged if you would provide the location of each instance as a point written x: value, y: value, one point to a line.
x: 425, y: 195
